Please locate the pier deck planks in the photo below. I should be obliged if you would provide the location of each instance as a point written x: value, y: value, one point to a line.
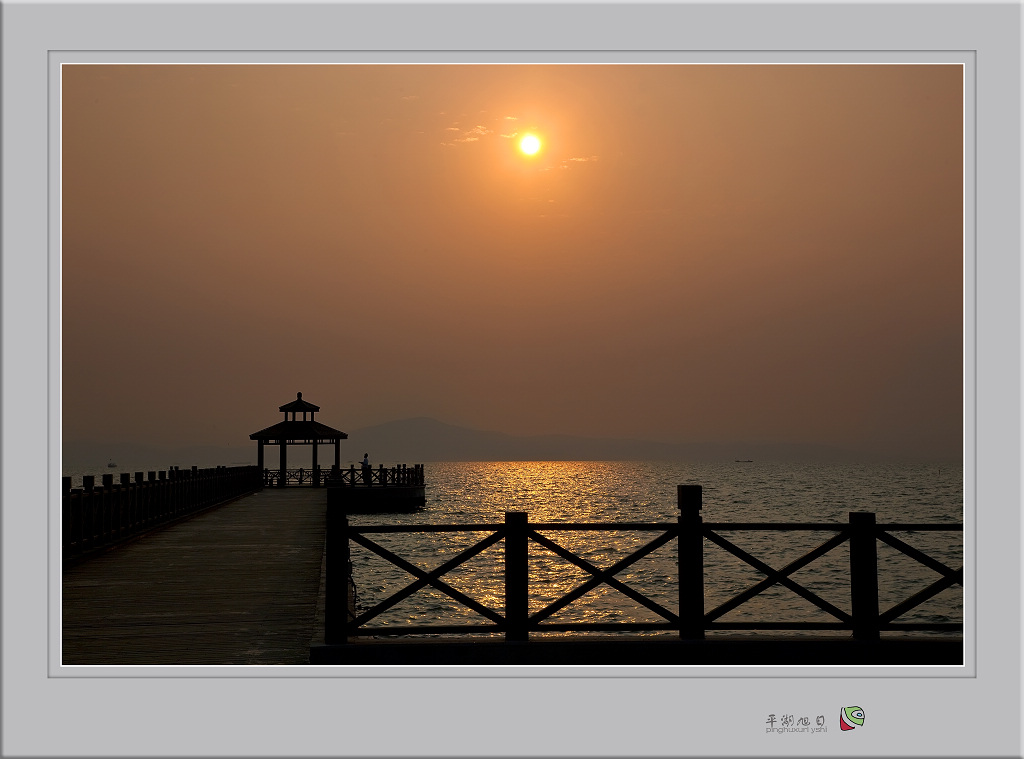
x: 235, y: 585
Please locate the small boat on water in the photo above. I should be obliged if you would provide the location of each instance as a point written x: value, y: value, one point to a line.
x: 111, y: 463
x: 744, y: 461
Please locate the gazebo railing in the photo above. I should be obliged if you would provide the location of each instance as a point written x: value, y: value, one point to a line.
x: 397, y: 476
x: 300, y: 476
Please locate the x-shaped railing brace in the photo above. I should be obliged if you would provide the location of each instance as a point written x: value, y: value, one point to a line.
x: 780, y: 576
x: 601, y: 576
x: 949, y: 578
x: 427, y: 578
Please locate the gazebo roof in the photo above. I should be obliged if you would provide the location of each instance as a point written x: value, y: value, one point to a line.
x: 299, y: 405
x: 293, y: 431
x: 296, y: 430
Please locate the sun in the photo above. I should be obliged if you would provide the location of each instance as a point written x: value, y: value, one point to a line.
x: 529, y: 144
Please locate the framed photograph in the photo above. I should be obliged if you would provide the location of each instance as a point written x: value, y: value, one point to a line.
x: 661, y: 369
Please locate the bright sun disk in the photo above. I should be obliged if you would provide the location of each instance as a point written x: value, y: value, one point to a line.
x: 530, y: 144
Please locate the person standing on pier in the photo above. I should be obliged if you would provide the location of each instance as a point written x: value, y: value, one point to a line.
x: 366, y: 469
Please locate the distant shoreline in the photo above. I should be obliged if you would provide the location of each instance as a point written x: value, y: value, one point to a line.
x: 76, y: 472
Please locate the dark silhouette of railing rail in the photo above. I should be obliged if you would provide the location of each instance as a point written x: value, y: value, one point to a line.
x: 691, y: 621
x: 94, y: 516
x: 396, y: 476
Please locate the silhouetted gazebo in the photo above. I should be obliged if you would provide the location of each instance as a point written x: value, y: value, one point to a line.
x: 295, y: 431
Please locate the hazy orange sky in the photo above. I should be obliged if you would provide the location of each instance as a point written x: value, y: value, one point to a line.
x: 697, y: 253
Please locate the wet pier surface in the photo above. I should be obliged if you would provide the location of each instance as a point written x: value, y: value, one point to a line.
x: 236, y: 585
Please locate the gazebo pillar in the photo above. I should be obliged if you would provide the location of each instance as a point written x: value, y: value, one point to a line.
x: 259, y: 457
x: 316, y: 475
x: 284, y: 464
x: 337, y: 453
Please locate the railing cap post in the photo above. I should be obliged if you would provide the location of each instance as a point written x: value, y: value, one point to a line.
x: 690, y: 498
x: 864, y: 575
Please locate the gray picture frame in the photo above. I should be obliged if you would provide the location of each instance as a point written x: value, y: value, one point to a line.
x: 318, y: 712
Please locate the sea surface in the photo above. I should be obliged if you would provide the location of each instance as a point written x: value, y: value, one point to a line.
x: 645, y: 492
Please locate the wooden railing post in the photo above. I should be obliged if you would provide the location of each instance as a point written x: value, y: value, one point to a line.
x: 691, y: 561
x: 65, y: 515
x: 102, y: 493
x: 336, y: 583
x: 133, y: 500
x: 141, y: 499
x: 863, y: 575
x: 517, y: 570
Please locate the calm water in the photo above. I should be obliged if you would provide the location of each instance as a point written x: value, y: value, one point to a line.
x: 646, y: 492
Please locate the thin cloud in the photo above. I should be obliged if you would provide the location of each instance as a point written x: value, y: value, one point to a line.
x: 568, y: 162
x: 471, y: 135
x: 481, y: 130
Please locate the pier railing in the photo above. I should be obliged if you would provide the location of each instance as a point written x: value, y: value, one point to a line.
x: 690, y: 620
x: 396, y: 476
x: 103, y: 514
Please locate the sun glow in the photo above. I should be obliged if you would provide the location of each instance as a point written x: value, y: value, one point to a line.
x: 529, y: 144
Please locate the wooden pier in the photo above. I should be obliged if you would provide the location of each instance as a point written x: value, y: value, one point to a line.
x: 235, y: 585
